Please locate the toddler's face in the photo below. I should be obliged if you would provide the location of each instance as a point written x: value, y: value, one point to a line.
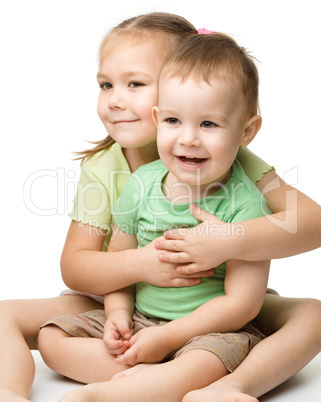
x: 200, y: 129
x: 128, y: 77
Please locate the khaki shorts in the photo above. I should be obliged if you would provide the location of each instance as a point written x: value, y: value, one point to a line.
x: 231, y: 348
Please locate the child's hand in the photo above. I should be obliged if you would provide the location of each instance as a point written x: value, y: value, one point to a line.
x: 149, y: 345
x: 164, y: 273
x: 117, y: 332
x: 200, y: 248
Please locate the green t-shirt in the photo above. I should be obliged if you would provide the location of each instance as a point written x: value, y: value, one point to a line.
x: 143, y: 210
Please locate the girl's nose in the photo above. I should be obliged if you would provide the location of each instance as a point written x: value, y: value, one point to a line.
x: 189, y: 138
x: 116, y: 100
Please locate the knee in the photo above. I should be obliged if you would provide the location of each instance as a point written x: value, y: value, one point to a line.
x: 310, y: 310
x: 48, y: 343
x: 192, y: 396
x: 312, y: 315
x: 307, y: 315
x: 6, y: 306
x: 11, y: 312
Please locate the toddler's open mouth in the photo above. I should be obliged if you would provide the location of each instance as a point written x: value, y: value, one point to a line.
x: 190, y: 160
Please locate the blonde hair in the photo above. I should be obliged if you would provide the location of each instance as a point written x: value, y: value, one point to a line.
x: 171, y: 29
x: 215, y: 55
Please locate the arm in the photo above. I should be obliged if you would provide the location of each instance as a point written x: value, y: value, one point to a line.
x: 245, y: 288
x: 293, y: 228
x: 119, y: 305
x: 85, y: 267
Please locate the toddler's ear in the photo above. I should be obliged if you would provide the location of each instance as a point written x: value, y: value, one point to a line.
x: 251, y: 128
x: 155, y: 115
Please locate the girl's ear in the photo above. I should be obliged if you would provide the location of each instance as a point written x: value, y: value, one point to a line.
x: 155, y: 115
x: 251, y: 128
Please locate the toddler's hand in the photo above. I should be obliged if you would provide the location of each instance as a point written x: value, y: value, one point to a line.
x: 164, y: 273
x: 117, y: 332
x: 149, y: 345
x: 199, y: 249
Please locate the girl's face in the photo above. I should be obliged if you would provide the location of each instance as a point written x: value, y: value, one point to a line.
x: 128, y: 77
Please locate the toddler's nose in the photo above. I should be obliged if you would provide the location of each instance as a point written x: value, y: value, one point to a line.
x: 189, y: 138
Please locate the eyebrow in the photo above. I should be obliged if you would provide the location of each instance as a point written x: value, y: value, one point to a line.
x: 167, y: 112
x: 127, y: 74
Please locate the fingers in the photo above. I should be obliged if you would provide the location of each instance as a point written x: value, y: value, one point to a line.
x: 124, y: 329
x: 189, y: 267
x: 193, y: 269
x: 184, y: 282
x: 199, y: 213
x: 202, y: 215
x: 117, y: 347
x: 175, y: 258
x: 170, y: 245
x: 176, y: 234
x: 129, y: 357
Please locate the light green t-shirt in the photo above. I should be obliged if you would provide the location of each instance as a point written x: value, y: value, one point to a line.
x: 104, y: 175
x: 102, y: 179
x: 144, y: 211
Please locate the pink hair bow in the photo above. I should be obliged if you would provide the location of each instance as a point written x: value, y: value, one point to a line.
x: 204, y: 31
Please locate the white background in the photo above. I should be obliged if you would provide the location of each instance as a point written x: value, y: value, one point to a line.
x: 48, y: 101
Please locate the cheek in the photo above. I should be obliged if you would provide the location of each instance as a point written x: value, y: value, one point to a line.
x: 224, y: 152
x: 146, y: 106
x: 164, y: 143
x: 100, y: 108
x: 160, y: 142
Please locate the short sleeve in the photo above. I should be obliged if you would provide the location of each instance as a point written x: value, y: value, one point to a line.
x: 254, y: 167
x: 101, y: 181
x: 92, y: 201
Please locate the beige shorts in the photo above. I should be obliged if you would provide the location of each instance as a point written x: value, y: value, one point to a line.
x: 231, y: 348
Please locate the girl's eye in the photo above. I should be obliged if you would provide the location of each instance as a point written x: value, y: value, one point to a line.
x: 106, y: 85
x: 135, y: 84
x: 173, y: 120
x: 208, y: 124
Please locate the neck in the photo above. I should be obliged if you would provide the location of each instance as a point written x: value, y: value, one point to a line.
x: 137, y: 157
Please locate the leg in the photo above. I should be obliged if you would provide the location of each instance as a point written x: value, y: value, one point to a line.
x: 85, y: 360
x: 163, y: 382
x: 295, y: 325
x: 20, y: 322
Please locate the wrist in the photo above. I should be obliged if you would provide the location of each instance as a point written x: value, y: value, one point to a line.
x: 144, y: 263
x: 175, y: 334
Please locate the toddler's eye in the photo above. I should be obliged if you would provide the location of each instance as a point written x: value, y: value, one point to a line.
x: 173, y: 120
x: 208, y: 124
x: 135, y: 84
x: 106, y: 85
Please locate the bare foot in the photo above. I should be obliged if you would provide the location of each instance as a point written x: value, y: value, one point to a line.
x: 9, y: 396
x: 97, y: 392
x: 219, y: 392
x: 132, y: 370
x: 77, y: 395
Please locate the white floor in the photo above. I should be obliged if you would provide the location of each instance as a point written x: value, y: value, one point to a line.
x: 304, y: 386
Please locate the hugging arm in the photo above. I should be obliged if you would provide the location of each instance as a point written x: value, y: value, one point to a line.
x: 293, y: 228
x: 85, y: 267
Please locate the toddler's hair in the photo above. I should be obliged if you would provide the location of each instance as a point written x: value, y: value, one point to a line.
x: 169, y: 29
x: 215, y: 56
